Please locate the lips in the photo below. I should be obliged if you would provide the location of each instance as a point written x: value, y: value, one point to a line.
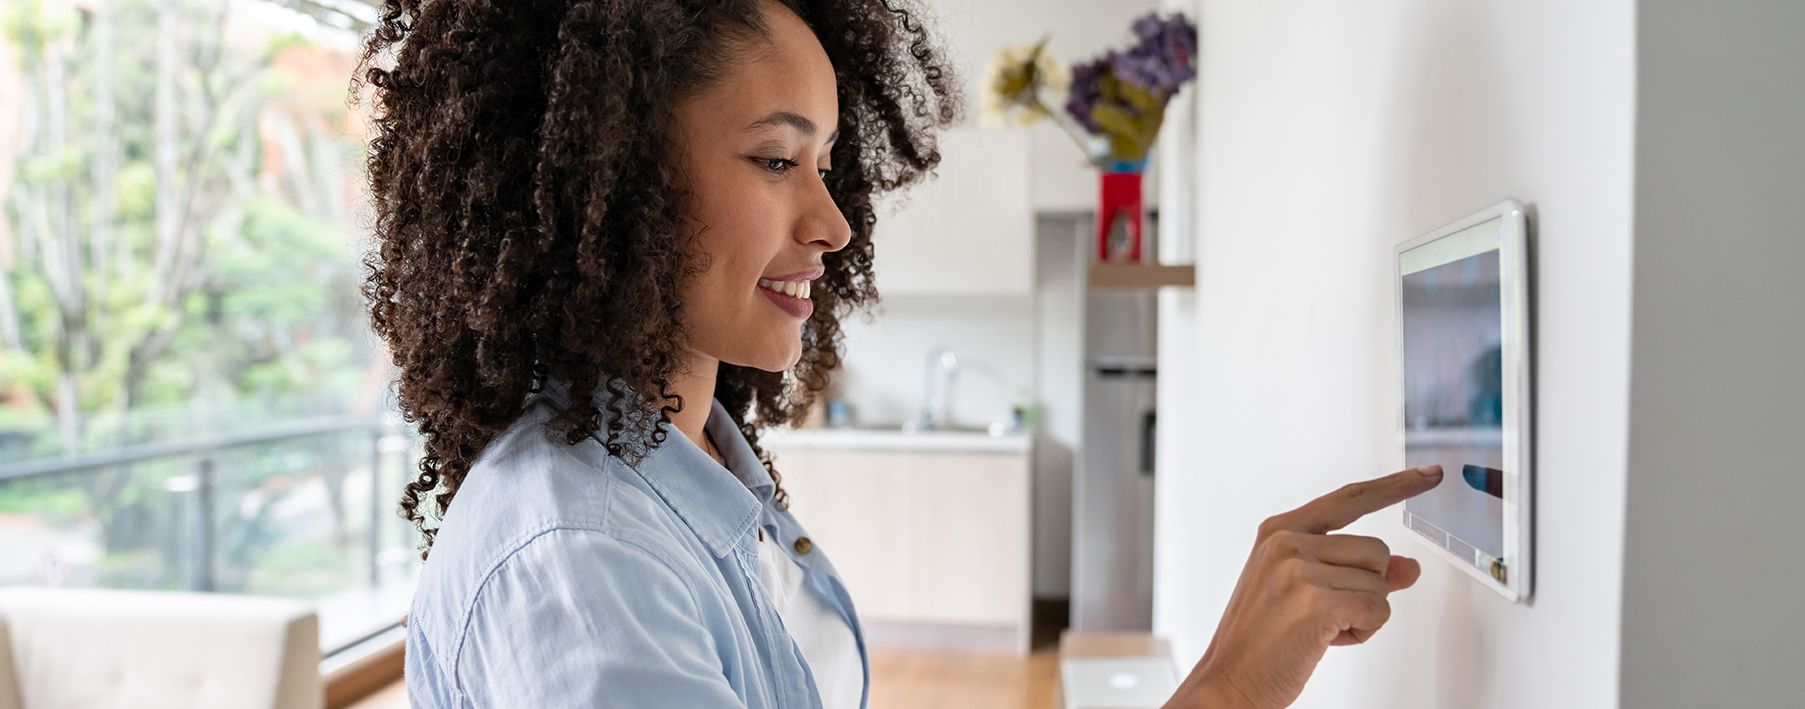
x: 790, y: 292
x: 812, y: 273
x: 799, y: 308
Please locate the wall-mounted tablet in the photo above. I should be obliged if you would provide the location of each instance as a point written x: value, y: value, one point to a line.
x: 1463, y: 315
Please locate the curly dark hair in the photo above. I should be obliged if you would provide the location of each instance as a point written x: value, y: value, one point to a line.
x: 527, y: 208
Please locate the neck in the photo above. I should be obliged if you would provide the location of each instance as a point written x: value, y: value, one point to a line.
x: 695, y: 383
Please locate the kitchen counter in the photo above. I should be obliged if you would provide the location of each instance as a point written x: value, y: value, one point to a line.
x: 891, y: 439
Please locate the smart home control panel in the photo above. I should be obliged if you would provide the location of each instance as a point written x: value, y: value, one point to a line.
x: 1463, y: 315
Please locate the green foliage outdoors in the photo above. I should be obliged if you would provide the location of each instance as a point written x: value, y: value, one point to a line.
x: 182, y: 261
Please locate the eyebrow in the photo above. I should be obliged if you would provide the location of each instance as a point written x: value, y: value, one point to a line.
x: 779, y: 119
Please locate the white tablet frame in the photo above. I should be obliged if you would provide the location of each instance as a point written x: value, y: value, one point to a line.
x: 1515, y: 350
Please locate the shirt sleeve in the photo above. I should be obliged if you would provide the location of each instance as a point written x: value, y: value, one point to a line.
x: 578, y: 618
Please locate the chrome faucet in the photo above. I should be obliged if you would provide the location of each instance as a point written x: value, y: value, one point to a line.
x: 937, y: 404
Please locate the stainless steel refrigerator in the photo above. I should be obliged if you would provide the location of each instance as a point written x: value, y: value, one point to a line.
x: 1112, y: 487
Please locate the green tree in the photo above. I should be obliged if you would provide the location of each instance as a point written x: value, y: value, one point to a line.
x: 181, y: 209
x: 159, y: 261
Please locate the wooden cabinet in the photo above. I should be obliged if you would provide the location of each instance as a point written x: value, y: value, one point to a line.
x: 933, y: 545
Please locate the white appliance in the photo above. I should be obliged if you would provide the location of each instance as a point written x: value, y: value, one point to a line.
x: 1112, y: 485
x: 1117, y: 682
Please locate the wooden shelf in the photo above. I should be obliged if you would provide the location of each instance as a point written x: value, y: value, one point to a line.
x: 1138, y: 276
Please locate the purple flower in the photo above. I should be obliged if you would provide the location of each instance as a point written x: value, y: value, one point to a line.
x: 1087, y: 89
x: 1165, y: 57
x: 1129, y: 89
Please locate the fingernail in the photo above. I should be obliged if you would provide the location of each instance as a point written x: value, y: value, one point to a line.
x: 1430, y: 471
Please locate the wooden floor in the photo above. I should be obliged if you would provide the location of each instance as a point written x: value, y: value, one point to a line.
x: 907, y: 678
x: 395, y: 697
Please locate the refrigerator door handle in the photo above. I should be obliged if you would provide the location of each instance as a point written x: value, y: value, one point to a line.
x: 1148, y: 421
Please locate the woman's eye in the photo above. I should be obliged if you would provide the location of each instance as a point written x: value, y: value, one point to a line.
x: 783, y: 166
x: 778, y: 165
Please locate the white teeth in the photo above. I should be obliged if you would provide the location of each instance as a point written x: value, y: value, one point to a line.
x: 794, y: 289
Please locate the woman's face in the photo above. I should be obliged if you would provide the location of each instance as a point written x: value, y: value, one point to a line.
x: 753, y: 150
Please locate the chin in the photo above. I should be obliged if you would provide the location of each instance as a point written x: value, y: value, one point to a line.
x: 776, y: 361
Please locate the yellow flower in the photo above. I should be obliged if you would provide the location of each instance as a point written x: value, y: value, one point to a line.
x: 1018, y: 82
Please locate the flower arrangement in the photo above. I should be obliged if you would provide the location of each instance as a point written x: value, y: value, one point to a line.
x: 1112, y: 106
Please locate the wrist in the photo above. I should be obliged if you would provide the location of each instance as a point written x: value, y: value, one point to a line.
x: 1209, y: 693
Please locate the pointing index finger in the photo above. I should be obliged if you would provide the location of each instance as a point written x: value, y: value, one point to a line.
x: 1342, y: 507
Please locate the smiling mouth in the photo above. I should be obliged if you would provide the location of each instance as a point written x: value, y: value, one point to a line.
x: 792, y: 297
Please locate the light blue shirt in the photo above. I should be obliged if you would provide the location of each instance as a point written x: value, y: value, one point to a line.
x: 561, y: 577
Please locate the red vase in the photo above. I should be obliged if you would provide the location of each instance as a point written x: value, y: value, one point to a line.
x: 1119, y: 213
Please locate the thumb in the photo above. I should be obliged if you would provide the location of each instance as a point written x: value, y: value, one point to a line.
x: 1402, y: 573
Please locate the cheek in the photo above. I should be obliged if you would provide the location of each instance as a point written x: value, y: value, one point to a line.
x: 737, y: 249
x: 743, y: 228
x: 741, y: 235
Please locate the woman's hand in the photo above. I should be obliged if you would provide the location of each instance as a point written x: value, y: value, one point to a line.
x: 1303, y: 590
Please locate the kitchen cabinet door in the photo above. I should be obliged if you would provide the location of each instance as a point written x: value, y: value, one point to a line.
x: 972, y: 559
x: 933, y: 538
x: 857, y: 508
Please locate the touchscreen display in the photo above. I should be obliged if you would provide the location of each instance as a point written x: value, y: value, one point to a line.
x: 1454, y: 392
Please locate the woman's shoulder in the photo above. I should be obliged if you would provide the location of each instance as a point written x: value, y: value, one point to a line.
x: 564, y: 504
x: 525, y: 482
x: 550, y: 592
x: 529, y: 480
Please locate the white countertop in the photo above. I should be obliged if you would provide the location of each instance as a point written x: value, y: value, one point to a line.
x: 876, y: 439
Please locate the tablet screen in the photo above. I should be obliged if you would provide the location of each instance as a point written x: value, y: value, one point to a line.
x: 1454, y: 391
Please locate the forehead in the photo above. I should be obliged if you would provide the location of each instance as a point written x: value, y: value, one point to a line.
x: 786, y: 70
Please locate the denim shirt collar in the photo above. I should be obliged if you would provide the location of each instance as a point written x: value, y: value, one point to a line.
x: 720, y: 505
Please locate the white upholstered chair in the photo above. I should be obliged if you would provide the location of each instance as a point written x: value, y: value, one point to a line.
x: 89, y: 649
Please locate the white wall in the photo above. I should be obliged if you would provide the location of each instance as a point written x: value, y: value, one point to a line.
x: 1060, y: 252
x: 1713, y: 584
x: 886, y: 359
x: 1328, y: 132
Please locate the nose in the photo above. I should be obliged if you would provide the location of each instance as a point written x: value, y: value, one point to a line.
x: 822, y: 225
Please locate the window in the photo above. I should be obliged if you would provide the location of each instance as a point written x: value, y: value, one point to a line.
x: 189, y: 395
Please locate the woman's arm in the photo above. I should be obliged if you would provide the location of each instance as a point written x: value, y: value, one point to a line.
x: 1303, y: 590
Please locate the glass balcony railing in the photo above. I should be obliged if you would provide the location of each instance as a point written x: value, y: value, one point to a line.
x: 303, y: 509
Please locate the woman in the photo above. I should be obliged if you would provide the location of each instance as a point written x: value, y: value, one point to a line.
x: 600, y: 223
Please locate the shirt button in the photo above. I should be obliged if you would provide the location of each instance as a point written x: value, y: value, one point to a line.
x: 803, y: 545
